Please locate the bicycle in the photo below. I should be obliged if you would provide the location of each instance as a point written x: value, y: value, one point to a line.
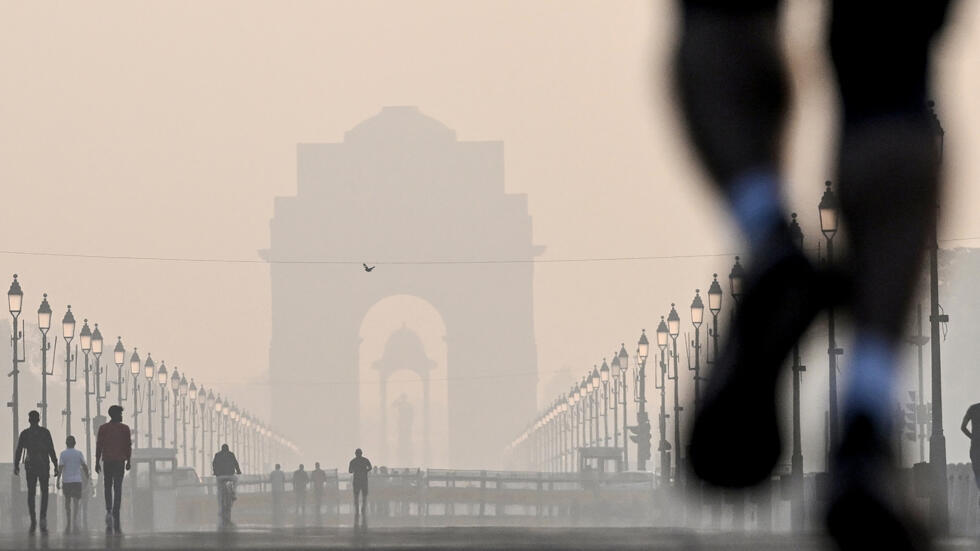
x: 226, y: 497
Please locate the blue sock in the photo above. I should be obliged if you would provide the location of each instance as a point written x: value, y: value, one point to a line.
x: 871, y: 381
x: 757, y: 205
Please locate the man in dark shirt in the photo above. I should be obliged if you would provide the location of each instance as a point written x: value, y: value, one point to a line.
x: 225, y: 463
x: 359, y: 467
x: 300, y: 480
x: 972, y: 418
x: 318, y: 480
x: 113, y: 448
x: 35, y: 441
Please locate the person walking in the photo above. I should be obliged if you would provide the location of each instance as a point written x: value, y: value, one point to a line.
x: 318, y: 480
x: 300, y: 480
x: 72, y: 472
x: 113, y: 449
x: 277, y: 480
x: 35, y: 447
x: 359, y: 467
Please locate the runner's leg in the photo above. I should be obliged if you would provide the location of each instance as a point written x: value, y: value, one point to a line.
x: 888, y: 174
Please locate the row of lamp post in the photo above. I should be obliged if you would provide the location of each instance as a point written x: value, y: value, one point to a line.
x: 252, y: 439
x: 554, y: 440
x: 560, y: 431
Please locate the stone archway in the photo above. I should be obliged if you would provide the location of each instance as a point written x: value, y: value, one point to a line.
x: 403, y: 353
x: 402, y: 191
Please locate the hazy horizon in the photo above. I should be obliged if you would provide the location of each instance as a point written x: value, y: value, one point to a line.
x: 166, y: 131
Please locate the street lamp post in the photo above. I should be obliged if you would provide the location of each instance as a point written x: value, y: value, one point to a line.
x: 583, y: 394
x: 218, y: 421
x: 15, y: 302
x: 97, y: 352
x: 604, y: 380
x: 149, y: 371
x: 796, y: 461
x: 119, y: 358
x: 246, y: 434
x: 572, y: 430
x: 674, y: 328
x: 562, y: 434
x: 697, y: 317
x: 624, y: 362
x: 642, y: 349
x: 175, y: 387
x: 192, y: 396
x: 612, y: 380
x: 587, y: 398
x: 162, y: 379
x: 134, y: 372
x: 829, y: 216
x: 183, y: 418
x: 85, y: 341
x: 664, y: 447
x: 202, y: 398
x: 230, y: 435
x: 594, y: 394
x: 214, y: 410
x: 44, y: 324
x: 714, y: 305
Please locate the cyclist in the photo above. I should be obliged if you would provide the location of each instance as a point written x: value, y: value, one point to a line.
x: 225, y: 468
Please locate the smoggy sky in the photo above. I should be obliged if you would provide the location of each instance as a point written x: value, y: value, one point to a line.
x: 166, y: 129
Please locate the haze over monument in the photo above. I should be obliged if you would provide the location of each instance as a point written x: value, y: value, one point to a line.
x: 402, y: 192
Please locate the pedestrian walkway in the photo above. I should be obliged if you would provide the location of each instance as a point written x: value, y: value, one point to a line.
x: 435, y: 538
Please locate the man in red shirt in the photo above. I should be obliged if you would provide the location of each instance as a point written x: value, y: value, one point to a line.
x: 113, y: 448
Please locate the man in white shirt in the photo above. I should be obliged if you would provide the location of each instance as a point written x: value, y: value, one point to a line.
x: 72, y: 468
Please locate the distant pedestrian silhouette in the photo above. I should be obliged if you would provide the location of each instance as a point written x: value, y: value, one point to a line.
x: 277, y: 481
x: 300, y: 480
x: 972, y: 418
x: 73, y: 471
x: 113, y: 448
x: 359, y: 467
x: 318, y: 479
x: 35, y: 442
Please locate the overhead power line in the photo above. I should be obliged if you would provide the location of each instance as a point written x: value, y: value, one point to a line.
x: 359, y: 261
x: 416, y: 262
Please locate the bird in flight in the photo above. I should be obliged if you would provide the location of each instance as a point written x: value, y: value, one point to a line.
x: 367, y: 268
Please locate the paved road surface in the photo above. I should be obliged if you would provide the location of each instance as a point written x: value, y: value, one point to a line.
x: 434, y: 538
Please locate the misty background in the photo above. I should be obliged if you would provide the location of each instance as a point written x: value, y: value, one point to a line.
x: 166, y: 130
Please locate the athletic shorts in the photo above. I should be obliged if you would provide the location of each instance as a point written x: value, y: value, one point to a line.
x: 360, y: 489
x: 72, y: 489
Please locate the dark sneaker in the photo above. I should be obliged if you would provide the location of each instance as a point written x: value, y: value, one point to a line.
x: 735, y: 440
x: 33, y: 527
x: 108, y: 522
x: 864, y: 511
x: 44, y: 525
